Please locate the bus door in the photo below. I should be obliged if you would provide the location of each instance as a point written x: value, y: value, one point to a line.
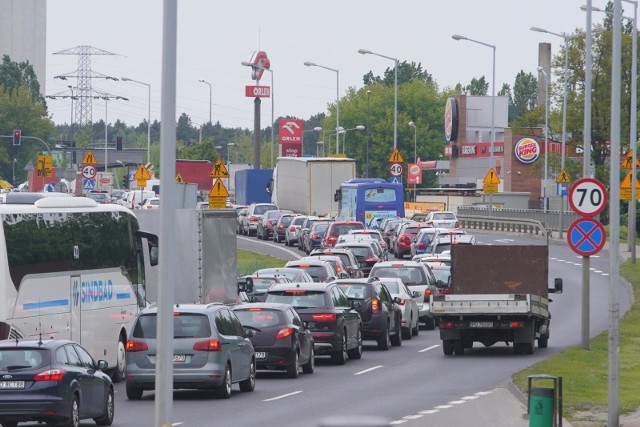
x: 76, y: 318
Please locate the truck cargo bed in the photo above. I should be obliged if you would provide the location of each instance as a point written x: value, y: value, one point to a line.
x: 489, y: 305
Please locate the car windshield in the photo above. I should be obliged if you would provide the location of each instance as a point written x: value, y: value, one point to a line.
x: 261, y: 209
x: 298, y: 298
x: 185, y: 325
x: 21, y: 358
x: 411, y: 276
x: 260, y: 317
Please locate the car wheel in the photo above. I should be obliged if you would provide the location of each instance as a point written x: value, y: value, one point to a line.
x: 406, y: 332
x: 429, y: 324
x: 10, y: 424
x: 396, y: 340
x: 117, y: 375
x: 356, y: 353
x: 415, y: 331
x: 224, y: 390
x: 74, y: 414
x: 109, y: 409
x: 292, y: 371
x: 134, y: 393
x: 384, y: 342
x: 339, y: 356
x: 447, y: 347
x: 250, y: 383
x: 309, y: 367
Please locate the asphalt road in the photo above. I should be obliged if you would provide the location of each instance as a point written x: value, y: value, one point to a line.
x: 397, y: 384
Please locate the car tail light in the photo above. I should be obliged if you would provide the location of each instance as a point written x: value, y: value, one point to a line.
x: 457, y: 225
x: 148, y: 207
x: 446, y: 291
x: 404, y: 238
x: 420, y: 245
x: 50, y: 375
x: 253, y: 219
x: 315, y: 236
x: 329, y: 317
x: 268, y: 224
x: 292, y: 229
x: 427, y: 293
x: 401, y: 302
x: 134, y: 346
x: 209, y: 345
x: 446, y: 325
x: 375, y: 306
x: 371, y: 261
x: 332, y: 239
x: 283, y: 333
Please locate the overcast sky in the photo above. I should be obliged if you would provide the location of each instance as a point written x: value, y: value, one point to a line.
x: 214, y: 37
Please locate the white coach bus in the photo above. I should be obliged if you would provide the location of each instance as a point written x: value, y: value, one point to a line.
x: 71, y: 268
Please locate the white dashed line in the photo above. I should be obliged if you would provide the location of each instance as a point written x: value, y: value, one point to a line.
x: 470, y: 397
x: 429, y: 412
x: 439, y: 407
x: 457, y: 402
x: 368, y: 370
x: 393, y: 423
x: 413, y: 417
x: 428, y: 348
x: 483, y: 393
x: 178, y: 424
x: 283, y: 396
x: 444, y: 406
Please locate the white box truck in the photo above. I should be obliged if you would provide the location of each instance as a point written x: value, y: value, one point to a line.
x: 307, y: 185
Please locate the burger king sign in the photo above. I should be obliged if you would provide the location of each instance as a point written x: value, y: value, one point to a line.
x: 527, y: 150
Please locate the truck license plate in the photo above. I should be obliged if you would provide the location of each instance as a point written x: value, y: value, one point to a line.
x: 481, y: 324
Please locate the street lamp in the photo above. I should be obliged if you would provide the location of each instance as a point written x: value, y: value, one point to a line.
x: 313, y: 64
x: 315, y: 129
x: 344, y: 131
x: 493, y: 102
x: 106, y: 123
x: 249, y: 64
x: 415, y: 152
x: 546, y: 136
x: 231, y: 144
x: 320, y: 144
x: 126, y: 79
x: 210, y: 96
x: 395, y: 96
x: 368, y: 125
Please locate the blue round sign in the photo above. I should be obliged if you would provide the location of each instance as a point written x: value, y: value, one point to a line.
x: 586, y: 236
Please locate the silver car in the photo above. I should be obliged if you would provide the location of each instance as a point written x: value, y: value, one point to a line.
x: 407, y: 304
x: 211, y: 351
x: 292, y: 233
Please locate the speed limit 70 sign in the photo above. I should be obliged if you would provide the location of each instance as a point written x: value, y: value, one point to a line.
x: 588, y: 197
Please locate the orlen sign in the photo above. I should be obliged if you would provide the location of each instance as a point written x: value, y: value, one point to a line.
x: 527, y: 150
x: 290, y: 131
x: 257, y: 91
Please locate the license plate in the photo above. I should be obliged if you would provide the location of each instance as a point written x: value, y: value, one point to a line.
x: 179, y: 358
x: 11, y: 384
x: 261, y: 355
x: 481, y: 324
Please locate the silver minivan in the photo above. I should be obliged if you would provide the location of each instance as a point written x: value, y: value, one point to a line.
x: 211, y: 351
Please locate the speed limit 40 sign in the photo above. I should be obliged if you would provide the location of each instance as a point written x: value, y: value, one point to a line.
x: 395, y: 169
x: 588, y: 197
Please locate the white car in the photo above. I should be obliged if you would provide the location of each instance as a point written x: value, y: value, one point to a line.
x: 407, y: 304
x: 442, y: 220
x: 292, y: 233
x: 151, y: 203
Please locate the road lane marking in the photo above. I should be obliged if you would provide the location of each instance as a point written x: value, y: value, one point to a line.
x: 429, y: 412
x: 178, y: 424
x: 373, y: 368
x: 396, y: 422
x: 271, y: 246
x: 470, y: 397
x: 429, y: 348
x: 412, y: 417
x: 457, y: 402
x: 444, y: 406
x: 283, y: 396
x: 483, y: 393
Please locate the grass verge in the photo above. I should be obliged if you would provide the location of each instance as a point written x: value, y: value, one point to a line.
x: 585, y: 372
x: 248, y: 262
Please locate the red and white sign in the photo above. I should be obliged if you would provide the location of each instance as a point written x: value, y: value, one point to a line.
x: 527, y: 150
x: 395, y: 169
x: 588, y: 197
x: 89, y: 172
x: 290, y: 131
x: 257, y: 91
x: 414, y: 174
x: 291, y: 149
x: 478, y: 149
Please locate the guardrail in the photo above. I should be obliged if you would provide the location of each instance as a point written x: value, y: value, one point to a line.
x: 509, y: 225
x: 550, y: 219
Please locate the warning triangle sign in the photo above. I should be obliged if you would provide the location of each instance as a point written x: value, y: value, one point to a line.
x: 491, y: 178
x: 179, y: 179
x: 396, y: 157
x: 89, y: 159
x: 627, y: 183
x: 563, y: 177
x: 219, y: 170
x: 218, y: 189
x: 627, y: 163
x: 142, y: 174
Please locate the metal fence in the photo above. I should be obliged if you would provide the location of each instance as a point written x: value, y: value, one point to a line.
x: 549, y: 220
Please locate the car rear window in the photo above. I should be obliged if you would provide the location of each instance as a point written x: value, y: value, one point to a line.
x: 298, y: 220
x: 259, y: 210
x: 411, y: 276
x: 317, y: 272
x: 361, y: 251
x: 345, y: 228
x: 444, y: 216
x: 260, y: 317
x: 286, y: 219
x: 299, y: 298
x: 354, y: 290
x: 185, y: 325
x: 412, y: 230
x: 15, y: 359
x: 392, y: 287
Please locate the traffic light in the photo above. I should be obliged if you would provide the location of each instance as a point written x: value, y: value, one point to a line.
x: 125, y: 181
x: 118, y: 143
x: 17, y: 135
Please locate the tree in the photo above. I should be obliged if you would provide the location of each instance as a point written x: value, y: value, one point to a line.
x: 406, y: 73
x: 525, y: 93
x: 478, y: 87
x: 15, y: 74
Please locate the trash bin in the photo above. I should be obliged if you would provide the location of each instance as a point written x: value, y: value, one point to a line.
x: 541, y: 407
x: 544, y: 403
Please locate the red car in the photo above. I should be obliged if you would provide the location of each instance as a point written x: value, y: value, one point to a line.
x: 405, y: 235
x: 337, y: 228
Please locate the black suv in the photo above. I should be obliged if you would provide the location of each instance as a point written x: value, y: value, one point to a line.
x: 335, y: 325
x: 381, y: 317
x: 346, y: 256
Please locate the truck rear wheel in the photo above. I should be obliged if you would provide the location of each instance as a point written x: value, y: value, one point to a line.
x: 543, y: 342
x: 447, y: 347
x: 458, y: 347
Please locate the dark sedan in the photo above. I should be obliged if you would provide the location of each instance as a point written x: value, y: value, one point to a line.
x: 381, y: 317
x: 334, y: 324
x: 280, y: 340
x: 264, y: 230
x: 53, y: 381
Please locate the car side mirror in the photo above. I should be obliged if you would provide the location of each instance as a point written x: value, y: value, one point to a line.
x: 355, y: 304
x: 416, y: 294
x: 557, y: 286
x: 245, y: 285
x: 102, y: 365
x: 248, y: 333
x: 397, y: 300
x: 305, y: 324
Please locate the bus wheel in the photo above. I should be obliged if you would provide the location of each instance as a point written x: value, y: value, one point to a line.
x: 121, y: 363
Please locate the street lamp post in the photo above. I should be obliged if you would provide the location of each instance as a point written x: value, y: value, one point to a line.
x: 493, y: 103
x: 230, y: 144
x: 249, y: 64
x: 313, y: 64
x: 126, y: 79
x: 546, y: 136
x: 210, y: 96
x: 344, y: 131
x: 395, y: 87
x: 319, y: 144
x: 315, y: 129
x: 368, y: 125
x: 415, y: 152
